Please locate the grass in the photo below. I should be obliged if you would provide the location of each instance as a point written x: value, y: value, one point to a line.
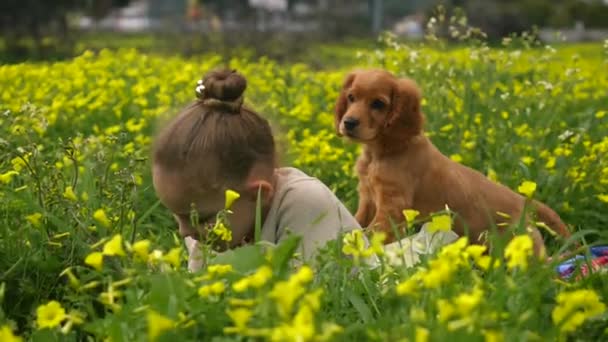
x: 75, y: 185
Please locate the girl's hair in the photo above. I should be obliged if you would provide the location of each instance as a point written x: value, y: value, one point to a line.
x: 215, y: 140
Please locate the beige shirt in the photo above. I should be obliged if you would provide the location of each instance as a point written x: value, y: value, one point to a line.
x: 301, y: 205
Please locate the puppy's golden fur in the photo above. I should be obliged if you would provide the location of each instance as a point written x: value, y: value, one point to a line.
x: 401, y: 169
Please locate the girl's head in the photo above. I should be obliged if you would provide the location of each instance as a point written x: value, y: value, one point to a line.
x: 213, y: 145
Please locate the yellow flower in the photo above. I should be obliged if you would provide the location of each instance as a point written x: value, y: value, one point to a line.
x: 422, y: 334
x: 6, y: 335
x: 261, y: 276
x: 8, y: 176
x: 216, y: 288
x: 34, y: 219
x: 492, y: 175
x: 302, y: 327
x: 354, y: 244
x: 114, y: 246
x: 527, y: 160
x: 440, y: 272
x: 222, y: 231
x: 102, y: 218
x: 527, y: 188
x: 517, y: 252
x: 94, y: 260
x: 493, y: 336
x: 377, y: 243
x: 304, y: 275
x: 456, y: 157
x: 575, y: 307
x: 173, y: 256
x: 19, y: 163
x: 256, y: 280
x: 231, y: 196
x: 69, y: 194
x: 240, y: 317
x: 158, y: 324
x: 218, y: 270
x: 407, y: 287
x: 465, y: 303
x: 50, y: 315
x: 603, y: 198
x: 285, y: 294
x: 440, y: 223
x: 446, y: 310
x: 141, y: 249
x: 410, y: 216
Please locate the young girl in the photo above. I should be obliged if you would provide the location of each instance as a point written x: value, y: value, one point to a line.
x: 216, y: 144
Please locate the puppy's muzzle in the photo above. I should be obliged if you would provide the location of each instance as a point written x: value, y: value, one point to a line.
x: 350, y: 123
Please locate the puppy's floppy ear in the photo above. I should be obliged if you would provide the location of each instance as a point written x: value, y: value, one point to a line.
x: 341, y: 102
x: 405, y: 106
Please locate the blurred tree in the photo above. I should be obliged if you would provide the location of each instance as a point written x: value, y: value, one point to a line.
x: 499, y: 18
x: 25, y: 23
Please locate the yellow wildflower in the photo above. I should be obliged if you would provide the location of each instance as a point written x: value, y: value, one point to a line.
x: 456, y: 157
x: 102, y: 218
x: 110, y: 297
x: 407, y: 287
x: 114, y: 246
x: 377, y: 243
x: 446, y: 310
x: 256, y: 280
x: 6, y: 335
x: 302, y: 327
x: 527, y: 160
x: 440, y: 272
x: 466, y: 303
x: 216, y: 288
x: 440, y: 223
x: 173, y: 257
x: 8, y: 176
x: 34, y: 219
x: 575, y: 307
x: 518, y: 250
x: 603, y: 198
x: 141, y: 249
x: 231, y: 196
x: 69, y: 194
x: 492, y: 175
x: 422, y: 334
x: 222, y: 231
x: 493, y: 336
x: 158, y: 324
x: 50, y: 315
x: 94, y: 260
x: 218, y: 270
x: 527, y: 188
x: 240, y: 317
x: 410, y: 216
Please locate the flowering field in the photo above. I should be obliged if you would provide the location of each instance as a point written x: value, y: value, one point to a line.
x: 87, y: 252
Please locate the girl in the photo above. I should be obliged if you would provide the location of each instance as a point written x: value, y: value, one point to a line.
x: 216, y: 144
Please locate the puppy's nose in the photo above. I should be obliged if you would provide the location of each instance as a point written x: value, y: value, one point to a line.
x: 350, y: 123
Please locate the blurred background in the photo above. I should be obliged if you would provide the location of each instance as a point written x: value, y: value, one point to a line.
x: 280, y: 29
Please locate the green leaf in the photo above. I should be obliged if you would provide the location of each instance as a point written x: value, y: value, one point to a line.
x: 243, y: 259
x: 359, y: 304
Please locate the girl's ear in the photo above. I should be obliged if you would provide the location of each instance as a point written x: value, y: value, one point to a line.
x: 266, y: 188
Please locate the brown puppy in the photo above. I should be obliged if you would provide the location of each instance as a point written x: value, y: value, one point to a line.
x: 401, y: 169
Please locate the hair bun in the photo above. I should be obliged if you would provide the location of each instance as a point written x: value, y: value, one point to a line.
x: 224, y: 85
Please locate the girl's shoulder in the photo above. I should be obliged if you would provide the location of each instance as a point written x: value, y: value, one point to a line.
x: 293, y: 182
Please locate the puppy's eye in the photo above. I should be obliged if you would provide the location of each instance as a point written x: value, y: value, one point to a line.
x: 351, y: 98
x: 377, y: 104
